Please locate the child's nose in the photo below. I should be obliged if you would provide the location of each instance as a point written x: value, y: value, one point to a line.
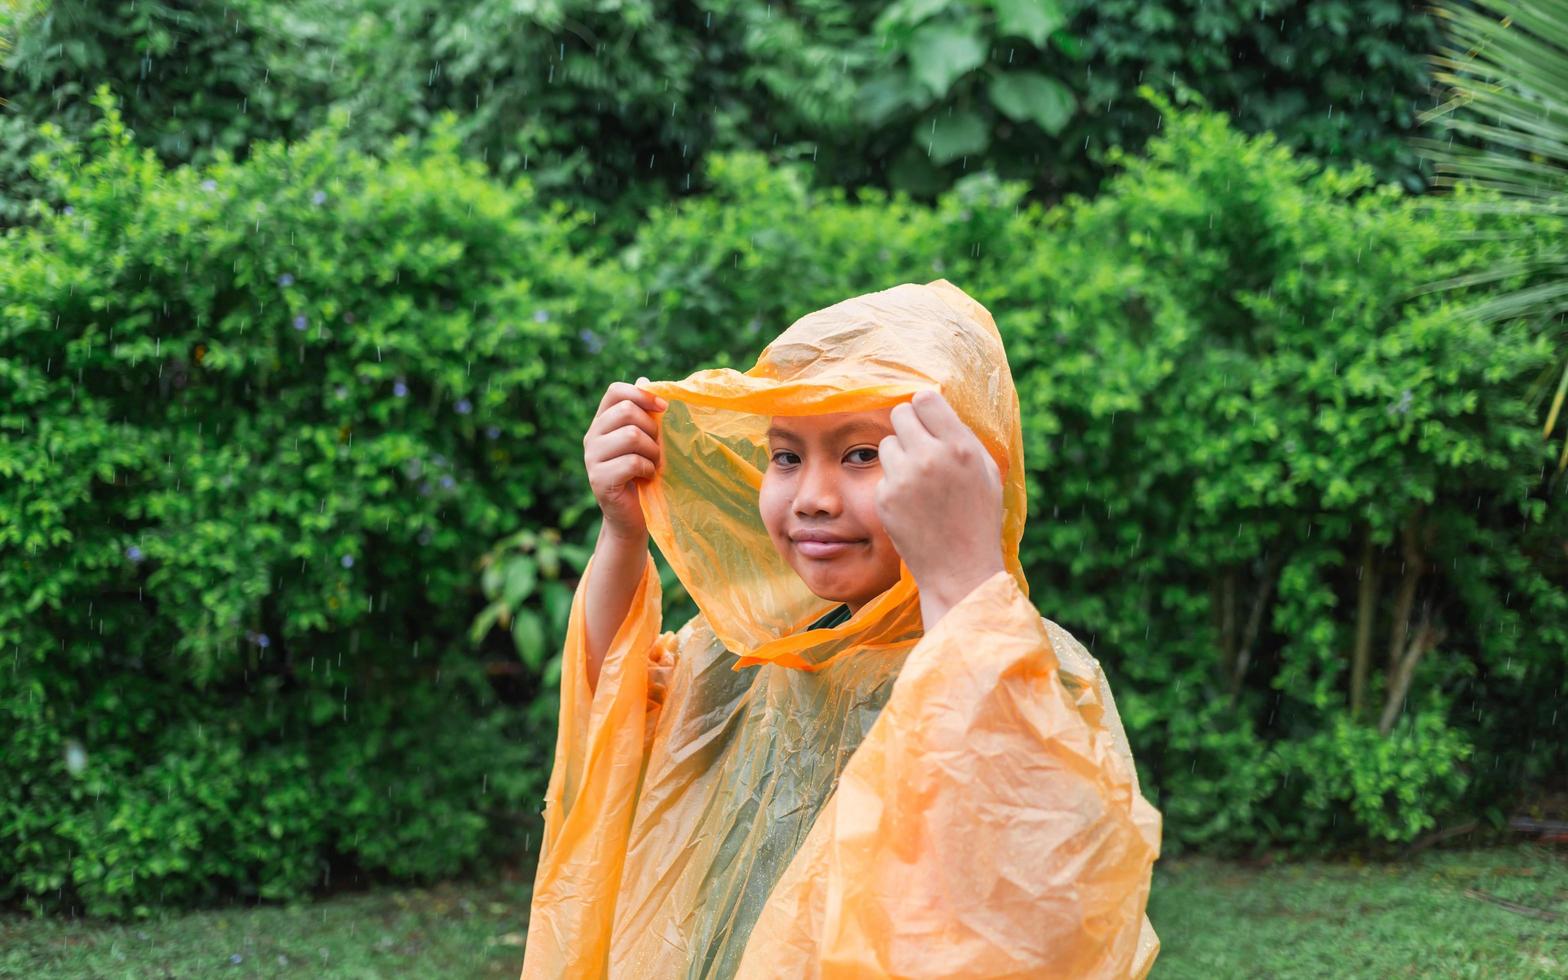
x: 817, y: 492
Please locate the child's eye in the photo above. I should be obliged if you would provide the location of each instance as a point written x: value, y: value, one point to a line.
x: 778, y: 458
x: 864, y: 449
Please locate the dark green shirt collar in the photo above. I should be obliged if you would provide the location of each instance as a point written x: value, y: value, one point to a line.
x: 834, y: 617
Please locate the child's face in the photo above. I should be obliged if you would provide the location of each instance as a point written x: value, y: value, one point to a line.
x: 821, y: 479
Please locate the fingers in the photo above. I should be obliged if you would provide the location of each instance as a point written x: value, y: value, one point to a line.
x: 630, y: 438
x: 912, y: 432
x: 937, y: 416
x: 606, y: 478
x: 659, y: 402
x: 624, y: 469
x: 620, y: 391
x: 891, y: 456
x: 619, y: 415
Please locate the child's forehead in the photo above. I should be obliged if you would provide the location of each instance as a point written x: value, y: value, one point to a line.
x: 830, y: 424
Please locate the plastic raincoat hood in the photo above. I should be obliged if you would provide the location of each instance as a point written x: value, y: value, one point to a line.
x: 747, y: 796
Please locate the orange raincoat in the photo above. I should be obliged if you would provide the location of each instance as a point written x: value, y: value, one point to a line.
x: 748, y: 797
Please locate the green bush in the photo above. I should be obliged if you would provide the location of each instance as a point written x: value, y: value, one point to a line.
x: 262, y: 421
x: 292, y: 506
x: 1243, y: 411
x: 1238, y: 404
x: 617, y: 105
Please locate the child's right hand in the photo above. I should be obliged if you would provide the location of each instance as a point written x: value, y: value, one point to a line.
x: 622, y: 445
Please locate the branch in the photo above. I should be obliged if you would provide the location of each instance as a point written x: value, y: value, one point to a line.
x: 1227, y: 614
x: 1406, y: 598
x: 1254, y: 625
x: 1426, y: 637
x: 1366, y: 612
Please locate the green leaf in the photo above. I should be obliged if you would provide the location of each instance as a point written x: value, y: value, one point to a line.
x: 484, y: 621
x: 948, y: 137
x: 1033, y: 19
x: 940, y: 54
x: 557, y: 606
x: 549, y: 559
x: 528, y: 634
x: 520, y: 577
x: 490, y: 581
x: 1030, y: 97
x: 908, y: 12
x: 885, y: 96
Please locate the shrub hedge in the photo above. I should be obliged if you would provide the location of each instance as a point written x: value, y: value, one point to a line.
x: 291, y: 504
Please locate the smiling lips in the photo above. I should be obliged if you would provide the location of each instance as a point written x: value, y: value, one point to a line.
x: 820, y: 544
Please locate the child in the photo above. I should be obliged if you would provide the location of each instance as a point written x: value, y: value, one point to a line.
x: 868, y: 754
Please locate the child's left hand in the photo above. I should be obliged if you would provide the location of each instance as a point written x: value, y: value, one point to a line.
x: 940, y: 501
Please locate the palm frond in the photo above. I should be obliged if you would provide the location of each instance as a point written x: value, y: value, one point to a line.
x: 1506, y: 69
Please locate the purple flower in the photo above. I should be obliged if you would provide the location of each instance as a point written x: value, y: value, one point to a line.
x: 447, y: 482
x: 463, y: 406
x: 591, y: 339
x: 400, y: 389
x: 133, y: 553
x: 348, y: 561
x: 318, y: 197
x: 67, y: 210
x: 493, y: 431
x: 209, y: 184
x: 286, y: 279
x: 300, y: 322
x: 263, y: 641
x: 541, y: 316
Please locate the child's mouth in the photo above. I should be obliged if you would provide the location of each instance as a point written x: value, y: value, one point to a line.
x: 824, y: 549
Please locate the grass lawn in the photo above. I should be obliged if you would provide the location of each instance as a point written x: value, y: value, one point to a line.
x: 1424, y: 918
x: 1490, y: 913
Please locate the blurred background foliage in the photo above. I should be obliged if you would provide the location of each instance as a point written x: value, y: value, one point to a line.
x: 615, y: 104
x: 304, y: 309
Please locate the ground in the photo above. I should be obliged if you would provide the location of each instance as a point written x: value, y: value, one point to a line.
x: 1491, y: 913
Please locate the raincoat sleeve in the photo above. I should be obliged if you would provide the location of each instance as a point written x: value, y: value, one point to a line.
x: 601, y: 746
x: 988, y: 826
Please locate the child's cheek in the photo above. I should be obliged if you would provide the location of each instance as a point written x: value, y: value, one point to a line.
x: 771, y: 502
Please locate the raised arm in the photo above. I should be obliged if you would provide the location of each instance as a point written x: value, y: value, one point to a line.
x: 620, y: 449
